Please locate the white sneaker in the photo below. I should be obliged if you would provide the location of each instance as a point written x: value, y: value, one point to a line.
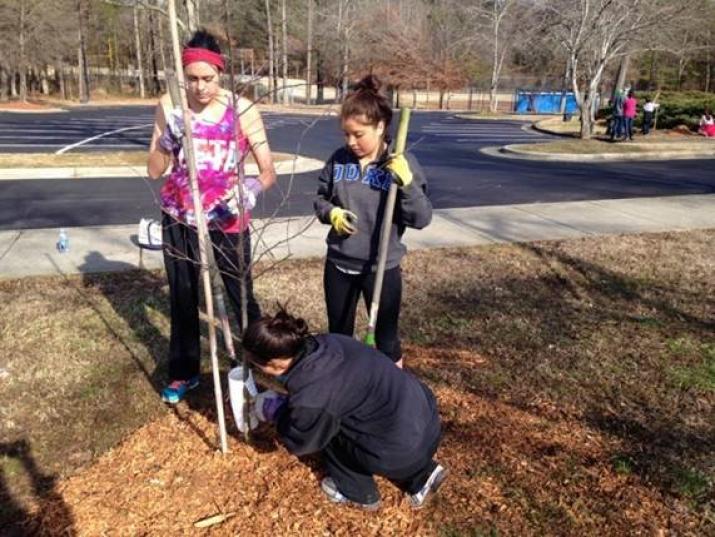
x: 334, y: 495
x: 417, y: 500
x: 149, y: 234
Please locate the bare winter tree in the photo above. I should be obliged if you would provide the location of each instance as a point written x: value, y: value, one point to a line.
x: 595, y: 32
x: 496, y: 22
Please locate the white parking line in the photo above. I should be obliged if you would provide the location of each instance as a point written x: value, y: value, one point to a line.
x: 97, y: 137
x: 483, y: 135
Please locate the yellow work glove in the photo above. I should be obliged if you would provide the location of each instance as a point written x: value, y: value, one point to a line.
x: 344, y: 222
x: 400, y: 169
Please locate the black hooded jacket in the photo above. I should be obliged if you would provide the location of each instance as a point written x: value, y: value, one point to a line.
x: 339, y: 386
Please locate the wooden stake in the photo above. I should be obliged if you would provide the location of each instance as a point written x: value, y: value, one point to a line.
x: 202, y: 229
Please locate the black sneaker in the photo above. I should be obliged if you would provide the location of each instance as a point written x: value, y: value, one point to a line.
x: 334, y: 495
x: 418, y: 499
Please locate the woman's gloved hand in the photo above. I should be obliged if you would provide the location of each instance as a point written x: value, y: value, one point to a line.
x: 252, y: 186
x: 343, y: 221
x: 400, y: 169
x: 173, y: 132
x: 268, y: 404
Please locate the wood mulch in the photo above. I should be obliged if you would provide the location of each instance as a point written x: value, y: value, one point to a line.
x: 513, y: 472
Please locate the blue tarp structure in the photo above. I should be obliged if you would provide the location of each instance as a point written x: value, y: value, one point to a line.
x: 544, y: 102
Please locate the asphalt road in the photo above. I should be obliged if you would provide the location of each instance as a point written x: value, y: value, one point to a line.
x: 447, y: 147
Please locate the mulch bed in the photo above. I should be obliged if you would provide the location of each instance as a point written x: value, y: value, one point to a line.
x: 513, y: 472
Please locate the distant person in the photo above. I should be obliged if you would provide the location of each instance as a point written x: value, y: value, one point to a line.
x: 617, y: 122
x: 222, y: 142
x: 707, y: 124
x: 649, y: 109
x: 630, y: 107
x: 348, y: 402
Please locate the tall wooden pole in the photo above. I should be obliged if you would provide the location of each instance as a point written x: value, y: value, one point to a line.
x: 202, y: 229
x: 400, y: 143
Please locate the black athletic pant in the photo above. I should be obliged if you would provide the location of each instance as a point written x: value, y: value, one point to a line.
x: 353, y: 475
x: 342, y: 292
x: 181, y: 259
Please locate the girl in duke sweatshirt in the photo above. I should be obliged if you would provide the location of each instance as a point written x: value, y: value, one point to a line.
x: 351, y: 198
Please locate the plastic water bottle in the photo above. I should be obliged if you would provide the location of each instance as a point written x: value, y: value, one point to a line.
x: 63, y: 242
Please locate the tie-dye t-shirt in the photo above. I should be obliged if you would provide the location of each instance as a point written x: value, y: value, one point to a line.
x: 217, y: 147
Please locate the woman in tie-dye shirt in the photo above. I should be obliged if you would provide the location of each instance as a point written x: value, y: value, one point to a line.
x: 222, y: 140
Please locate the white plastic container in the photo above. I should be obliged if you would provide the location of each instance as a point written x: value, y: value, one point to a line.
x: 235, y: 390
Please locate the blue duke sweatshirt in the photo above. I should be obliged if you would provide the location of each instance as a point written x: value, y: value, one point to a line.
x: 364, y: 192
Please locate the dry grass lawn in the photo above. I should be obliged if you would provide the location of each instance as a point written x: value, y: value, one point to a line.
x: 576, y: 381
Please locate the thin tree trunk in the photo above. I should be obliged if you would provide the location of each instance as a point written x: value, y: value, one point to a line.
x: 192, y: 15
x: 562, y: 106
x: 309, y: 56
x: 495, y: 62
x: 271, y: 72
x: 82, y: 57
x: 346, y: 49
x: 13, y: 84
x: 708, y: 62
x: 622, y: 74
x: 61, y: 80
x: 284, y: 56
x: 339, y: 33
x: 320, y: 84
x: 156, y: 86
x: 162, y: 55
x: 4, y: 84
x: 202, y: 230
x: 44, y: 82
x: 22, y: 63
x: 138, y: 52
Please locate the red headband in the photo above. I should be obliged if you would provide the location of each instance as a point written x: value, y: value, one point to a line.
x: 191, y: 55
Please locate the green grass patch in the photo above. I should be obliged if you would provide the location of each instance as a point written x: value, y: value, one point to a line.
x: 700, y: 375
x: 692, y: 484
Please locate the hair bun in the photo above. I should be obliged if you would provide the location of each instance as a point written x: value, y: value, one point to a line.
x: 369, y: 83
x: 295, y: 325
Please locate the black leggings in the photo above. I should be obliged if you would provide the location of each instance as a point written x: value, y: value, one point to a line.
x: 181, y: 259
x: 341, y: 296
x: 353, y: 474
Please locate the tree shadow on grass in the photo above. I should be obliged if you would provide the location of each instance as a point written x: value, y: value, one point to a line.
x: 572, y: 340
x: 53, y: 516
x: 119, y: 289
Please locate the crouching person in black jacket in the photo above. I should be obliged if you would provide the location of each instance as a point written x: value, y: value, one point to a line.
x: 350, y: 403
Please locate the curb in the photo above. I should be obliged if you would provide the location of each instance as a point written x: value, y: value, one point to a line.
x: 614, y: 157
x: 284, y: 167
x: 544, y: 130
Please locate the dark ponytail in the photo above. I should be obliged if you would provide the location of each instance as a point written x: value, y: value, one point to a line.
x: 366, y: 99
x: 279, y: 336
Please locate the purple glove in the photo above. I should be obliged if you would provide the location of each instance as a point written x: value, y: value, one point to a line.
x: 268, y: 404
x: 252, y: 186
x: 173, y: 133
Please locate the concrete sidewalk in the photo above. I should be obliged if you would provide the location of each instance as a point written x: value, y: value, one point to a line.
x: 111, y: 248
